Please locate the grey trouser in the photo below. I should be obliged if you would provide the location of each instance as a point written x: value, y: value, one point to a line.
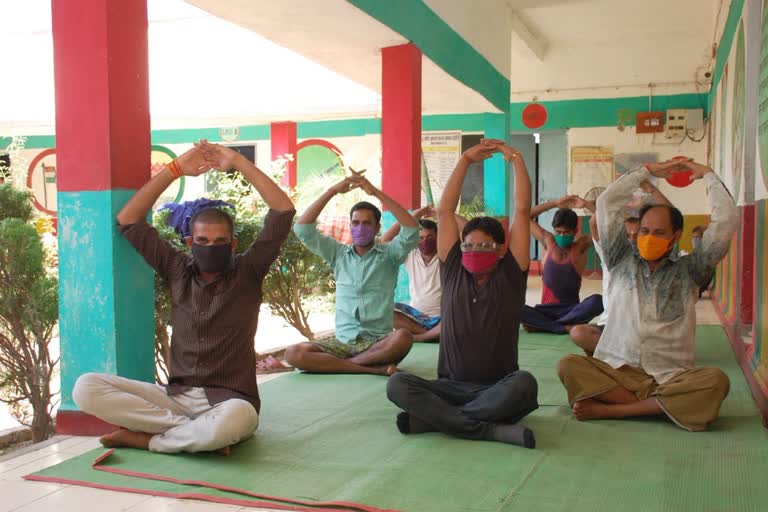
x: 465, y: 409
x: 185, y: 422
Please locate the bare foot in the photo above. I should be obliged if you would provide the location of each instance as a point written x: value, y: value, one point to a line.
x: 124, y: 438
x: 226, y: 451
x: 385, y: 370
x: 590, y: 409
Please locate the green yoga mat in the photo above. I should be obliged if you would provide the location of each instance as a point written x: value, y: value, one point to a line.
x: 333, y: 438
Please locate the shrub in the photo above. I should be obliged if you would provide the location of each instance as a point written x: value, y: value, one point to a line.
x: 28, y: 315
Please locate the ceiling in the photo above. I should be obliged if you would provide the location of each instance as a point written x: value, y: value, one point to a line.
x: 578, y: 45
x: 303, y: 60
x: 340, y: 37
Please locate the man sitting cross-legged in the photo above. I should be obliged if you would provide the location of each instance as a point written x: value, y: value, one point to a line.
x: 564, y: 260
x: 481, y: 393
x: 366, y: 275
x: 211, y: 400
x: 422, y: 316
x: 644, y: 363
x: 586, y: 336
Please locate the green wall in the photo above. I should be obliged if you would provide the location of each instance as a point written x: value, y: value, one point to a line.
x: 562, y: 114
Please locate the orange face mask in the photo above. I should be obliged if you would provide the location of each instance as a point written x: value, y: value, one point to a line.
x: 652, y: 247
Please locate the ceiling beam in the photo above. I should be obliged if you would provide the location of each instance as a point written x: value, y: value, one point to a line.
x: 536, y: 45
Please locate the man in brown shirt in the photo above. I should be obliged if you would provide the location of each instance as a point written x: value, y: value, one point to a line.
x: 211, y: 400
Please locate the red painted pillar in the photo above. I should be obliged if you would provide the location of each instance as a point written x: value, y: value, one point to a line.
x: 102, y: 94
x: 283, y: 139
x: 101, y: 74
x: 401, y: 124
x: 747, y: 254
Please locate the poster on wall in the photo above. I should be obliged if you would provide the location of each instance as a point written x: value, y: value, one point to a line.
x: 441, y: 151
x: 591, y: 171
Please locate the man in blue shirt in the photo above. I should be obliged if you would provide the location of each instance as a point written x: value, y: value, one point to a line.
x: 366, y: 275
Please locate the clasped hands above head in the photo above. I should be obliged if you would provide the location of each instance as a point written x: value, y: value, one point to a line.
x: 669, y: 168
x: 488, y: 147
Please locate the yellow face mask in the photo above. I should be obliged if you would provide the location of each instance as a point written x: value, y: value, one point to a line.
x: 652, y: 247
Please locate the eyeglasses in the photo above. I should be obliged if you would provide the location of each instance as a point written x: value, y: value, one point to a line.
x: 482, y: 246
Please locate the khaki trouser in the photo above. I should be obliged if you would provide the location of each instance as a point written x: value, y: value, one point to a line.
x: 691, y: 398
x: 185, y: 422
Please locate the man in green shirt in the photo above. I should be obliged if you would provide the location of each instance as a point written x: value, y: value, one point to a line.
x: 366, y: 275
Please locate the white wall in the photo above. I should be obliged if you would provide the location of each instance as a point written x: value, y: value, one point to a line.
x: 690, y: 200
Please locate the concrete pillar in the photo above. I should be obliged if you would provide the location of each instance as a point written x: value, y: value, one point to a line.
x: 496, y: 180
x: 401, y: 123
x: 283, y: 140
x: 103, y: 156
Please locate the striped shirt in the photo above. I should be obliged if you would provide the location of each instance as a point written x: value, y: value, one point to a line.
x: 652, y: 324
x: 214, y: 323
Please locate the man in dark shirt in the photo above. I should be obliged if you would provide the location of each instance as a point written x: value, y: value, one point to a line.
x: 211, y: 401
x: 481, y: 393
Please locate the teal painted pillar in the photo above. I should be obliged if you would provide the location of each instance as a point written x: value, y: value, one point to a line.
x: 496, y: 184
x: 402, y: 293
x: 106, y: 293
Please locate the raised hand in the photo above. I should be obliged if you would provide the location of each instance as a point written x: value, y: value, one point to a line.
x: 578, y: 202
x: 193, y: 162
x: 347, y: 184
x: 510, y: 154
x: 566, y: 201
x: 698, y: 170
x: 665, y: 169
x: 482, y: 151
x: 218, y: 156
x: 366, y: 186
x: 362, y: 182
x: 424, y: 211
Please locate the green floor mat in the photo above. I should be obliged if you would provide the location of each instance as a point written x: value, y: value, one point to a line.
x: 333, y: 438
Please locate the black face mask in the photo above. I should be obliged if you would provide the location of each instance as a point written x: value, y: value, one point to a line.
x: 212, y: 258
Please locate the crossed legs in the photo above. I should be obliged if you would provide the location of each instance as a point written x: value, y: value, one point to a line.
x: 150, y: 419
x: 401, y: 321
x: 380, y: 359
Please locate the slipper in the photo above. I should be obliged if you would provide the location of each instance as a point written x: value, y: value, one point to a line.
x: 271, y: 364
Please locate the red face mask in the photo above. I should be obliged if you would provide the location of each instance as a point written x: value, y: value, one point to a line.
x: 479, y: 262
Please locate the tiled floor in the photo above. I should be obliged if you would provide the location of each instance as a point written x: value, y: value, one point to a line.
x: 21, y: 496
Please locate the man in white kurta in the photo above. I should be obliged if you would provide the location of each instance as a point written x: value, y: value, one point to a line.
x: 644, y: 363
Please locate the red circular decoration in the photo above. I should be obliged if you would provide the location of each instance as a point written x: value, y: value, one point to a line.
x: 534, y: 115
x: 680, y: 179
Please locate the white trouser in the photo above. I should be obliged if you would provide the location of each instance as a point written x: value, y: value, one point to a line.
x: 185, y: 422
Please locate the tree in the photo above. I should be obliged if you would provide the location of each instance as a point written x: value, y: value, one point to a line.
x: 28, y: 315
